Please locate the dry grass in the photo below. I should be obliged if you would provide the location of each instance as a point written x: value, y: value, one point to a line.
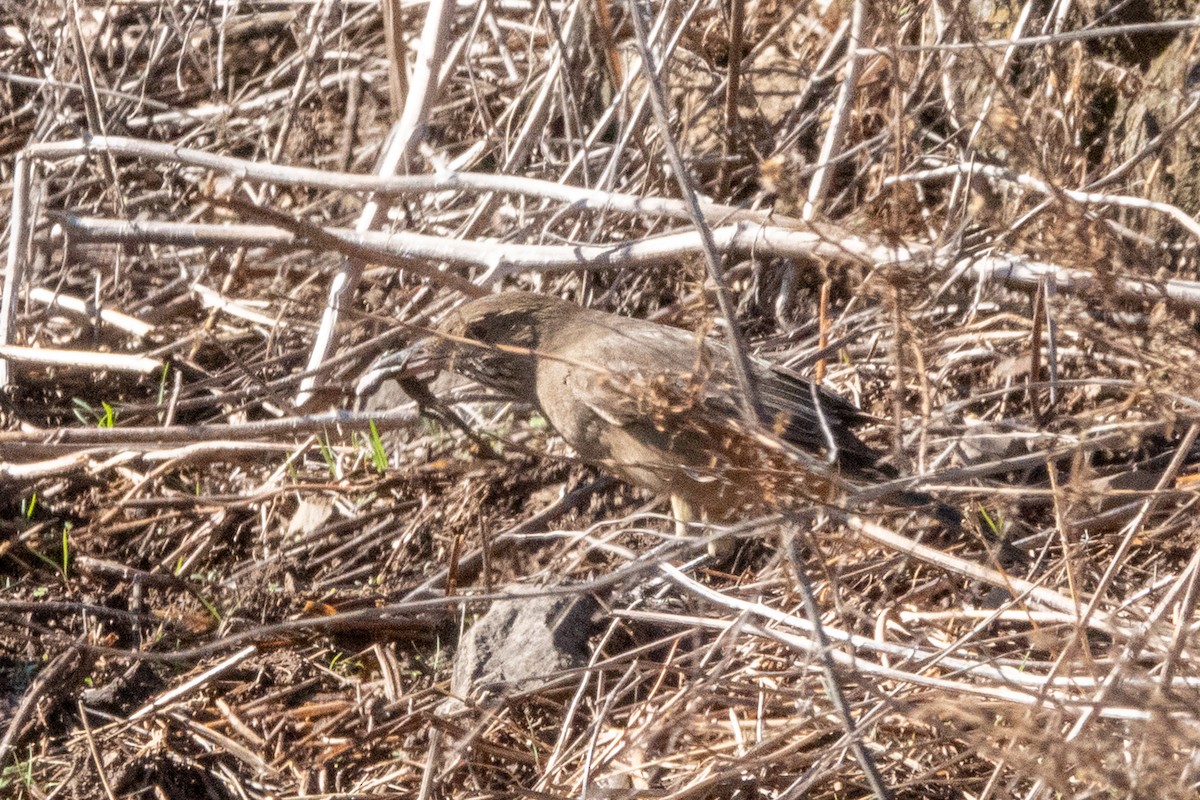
x: 209, y: 591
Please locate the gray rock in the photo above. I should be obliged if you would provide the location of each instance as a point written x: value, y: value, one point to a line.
x: 521, y: 643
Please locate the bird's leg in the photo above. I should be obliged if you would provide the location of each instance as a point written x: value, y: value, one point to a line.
x: 683, y: 513
x: 721, y: 550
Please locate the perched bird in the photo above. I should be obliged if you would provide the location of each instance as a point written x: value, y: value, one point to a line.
x: 658, y: 406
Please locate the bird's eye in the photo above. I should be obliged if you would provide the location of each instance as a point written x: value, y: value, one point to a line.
x: 509, y: 329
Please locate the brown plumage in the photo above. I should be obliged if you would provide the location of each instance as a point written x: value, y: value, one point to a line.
x: 658, y: 406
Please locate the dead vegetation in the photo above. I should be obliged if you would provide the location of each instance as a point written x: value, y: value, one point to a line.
x: 976, y: 220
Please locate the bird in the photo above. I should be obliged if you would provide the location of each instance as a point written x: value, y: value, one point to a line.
x: 657, y: 406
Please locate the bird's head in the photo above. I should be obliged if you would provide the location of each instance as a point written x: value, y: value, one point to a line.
x: 493, y: 339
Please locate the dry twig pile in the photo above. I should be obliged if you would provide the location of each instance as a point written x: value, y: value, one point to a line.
x: 977, y: 220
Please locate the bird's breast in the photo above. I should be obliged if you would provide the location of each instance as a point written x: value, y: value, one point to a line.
x: 569, y: 405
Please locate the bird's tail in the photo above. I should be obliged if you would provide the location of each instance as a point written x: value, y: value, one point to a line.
x: 881, y: 475
x: 947, y: 515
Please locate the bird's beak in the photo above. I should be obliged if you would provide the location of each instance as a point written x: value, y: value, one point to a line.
x: 413, y: 368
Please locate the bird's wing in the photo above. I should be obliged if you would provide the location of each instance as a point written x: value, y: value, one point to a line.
x: 633, y: 372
